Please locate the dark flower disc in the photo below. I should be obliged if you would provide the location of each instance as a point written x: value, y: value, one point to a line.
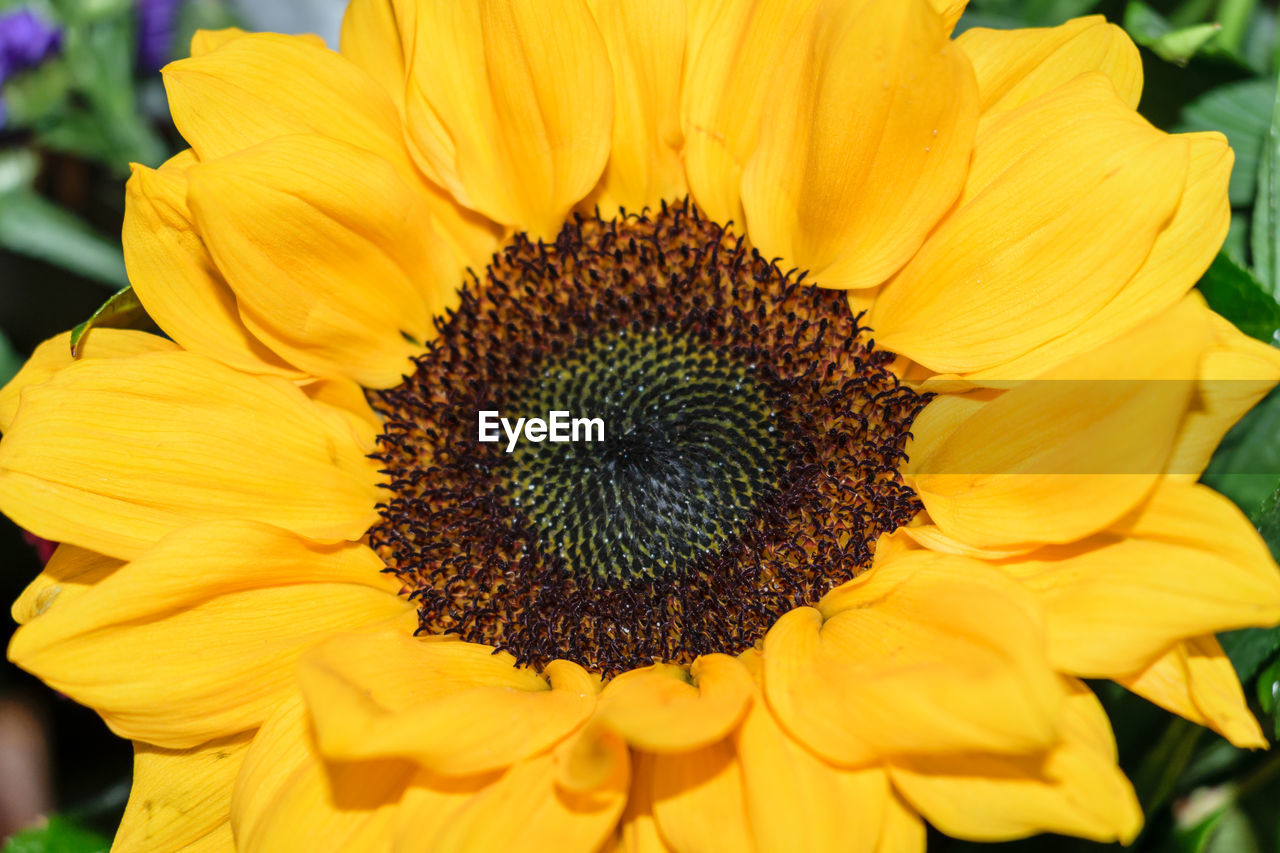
x: 733, y: 445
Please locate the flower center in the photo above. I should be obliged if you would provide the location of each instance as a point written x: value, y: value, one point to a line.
x: 689, y: 455
x: 692, y: 442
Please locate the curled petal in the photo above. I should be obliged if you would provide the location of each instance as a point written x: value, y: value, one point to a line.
x: 446, y: 705
x: 663, y: 709
x: 1195, y: 679
x: 1076, y: 789
x: 923, y: 654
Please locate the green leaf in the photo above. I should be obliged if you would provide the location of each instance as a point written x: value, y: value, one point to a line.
x: 1243, y: 112
x: 1250, y: 648
x: 31, y: 225
x: 122, y: 311
x: 1233, y: 292
x: 1173, y: 44
x: 1008, y: 14
x: 1246, y: 465
x: 10, y: 361
x: 1265, y: 238
x: 1269, y: 688
x: 60, y: 835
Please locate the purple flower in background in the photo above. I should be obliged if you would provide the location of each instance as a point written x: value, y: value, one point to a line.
x: 25, y: 41
x: 157, y: 21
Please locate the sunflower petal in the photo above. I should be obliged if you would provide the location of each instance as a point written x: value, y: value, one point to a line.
x: 646, y: 49
x: 1236, y: 373
x: 69, y: 573
x: 182, y: 797
x: 340, y: 290
x: 966, y: 669
x: 287, y: 798
x: 698, y: 800
x: 796, y: 801
x: 510, y: 106
x: 54, y: 354
x: 1065, y: 198
x: 231, y: 98
x: 1017, y: 66
x: 1061, y: 457
x: 1076, y: 790
x: 734, y: 46
x: 1195, y: 679
x: 1116, y: 602
x: 903, y: 831
x: 524, y: 810
x: 199, y: 637
x: 1181, y: 253
x: 449, y: 706
x: 660, y: 709
x: 176, y: 279
x: 172, y: 439
x: 371, y: 39
x: 851, y: 201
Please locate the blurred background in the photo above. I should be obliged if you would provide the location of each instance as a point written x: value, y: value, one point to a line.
x: 81, y: 97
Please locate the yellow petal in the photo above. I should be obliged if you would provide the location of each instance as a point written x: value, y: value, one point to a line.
x: 176, y: 280
x: 1181, y: 253
x: 54, y: 354
x: 924, y: 654
x: 182, y: 797
x: 163, y: 440
x: 950, y: 10
x: 698, y: 800
x: 646, y: 49
x: 851, y: 200
x: 638, y: 829
x: 1235, y: 374
x: 455, y: 708
x: 1065, y: 197
x: 796, y: 801
x: 1077, y: 789
x: 338, y: 286
x: 734, y: 48
x: 347, y: 401
x: 525, y: 811
x: 1195, y: 679
x: 903, y: 831
x: 207, y: 41
x: 199, y: 637
x: 1016, y: 66
x: 69, y: 572
x: 1188, y: 564
x: 510, y: 106
x: 664, y: 709
x: 231, y: 99
x: 287, y: 798
x: 371, y: 39
x: 1059, y: 458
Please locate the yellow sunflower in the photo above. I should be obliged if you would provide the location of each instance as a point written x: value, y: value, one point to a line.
x: 903, y: 398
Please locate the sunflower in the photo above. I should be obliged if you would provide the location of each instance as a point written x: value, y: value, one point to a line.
x: 903, y: 397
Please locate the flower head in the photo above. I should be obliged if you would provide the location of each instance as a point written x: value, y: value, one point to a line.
x: 902, y: 392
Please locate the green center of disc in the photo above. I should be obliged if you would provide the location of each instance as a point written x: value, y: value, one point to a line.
x: 689, y: 452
